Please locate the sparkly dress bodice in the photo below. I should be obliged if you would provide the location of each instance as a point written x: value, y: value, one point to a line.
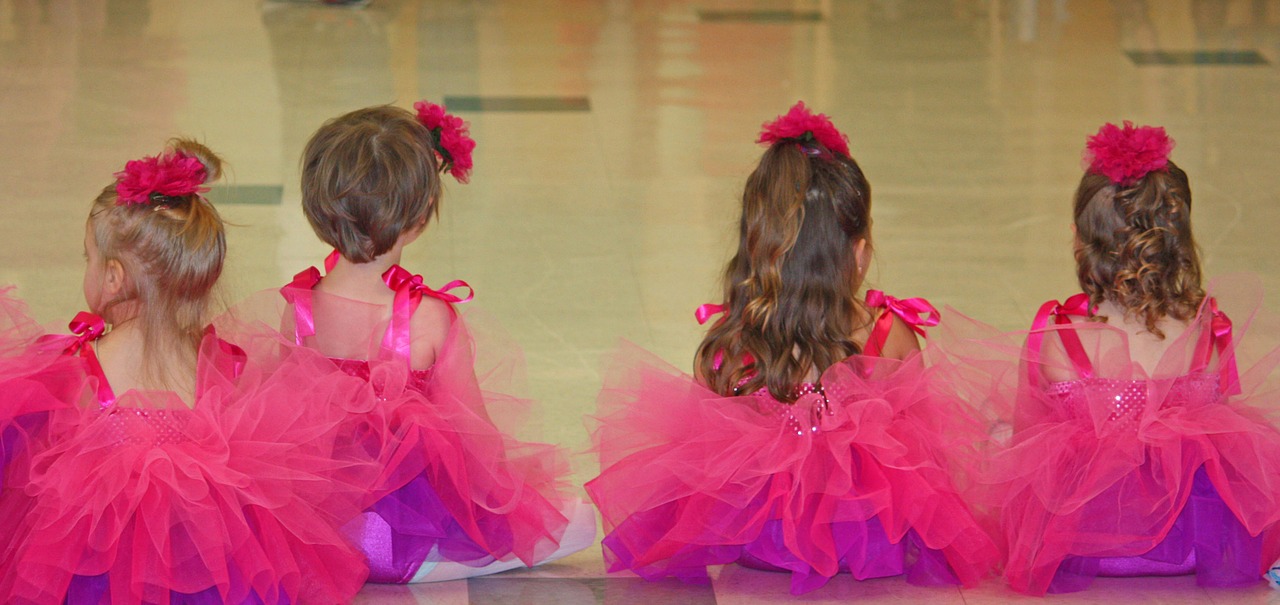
x: 1126, y: 400
x: 811, y: 406
x: 418, y: 379
x: 1123, y: 403
x: 125, y: 425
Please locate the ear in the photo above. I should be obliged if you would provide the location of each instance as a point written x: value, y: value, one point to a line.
x: 411, y: 234
x: 862, y: 255
x: 113, y: 280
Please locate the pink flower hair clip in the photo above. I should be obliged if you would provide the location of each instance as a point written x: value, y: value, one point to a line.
x: 452, y: 141
x: 1126, y: 154
x: 157, y: 178
x: 802, y: 126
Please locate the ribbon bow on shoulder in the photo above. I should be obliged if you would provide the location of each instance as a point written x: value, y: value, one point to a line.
x: 87, y: 327
x: 410, y: 285
x: 1060, y: 313
x: 1220, y: 329
x: 409, y: 290
x: 917, y: 313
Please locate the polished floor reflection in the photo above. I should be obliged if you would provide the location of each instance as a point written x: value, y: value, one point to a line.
x: 614, y: 138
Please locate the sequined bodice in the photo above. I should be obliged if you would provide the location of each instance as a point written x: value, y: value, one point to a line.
x: 418, y: 379
x: 1125, y: 400
x: 146, y: 427
x: 802, y: 417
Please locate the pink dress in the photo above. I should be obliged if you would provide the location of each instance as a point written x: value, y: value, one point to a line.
x: 1117, y: 471
x: 455, y: 487
x: 854, y: 476
x: 138, y: 498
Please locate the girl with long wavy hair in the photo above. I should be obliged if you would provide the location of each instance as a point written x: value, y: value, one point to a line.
x: 807, y: 441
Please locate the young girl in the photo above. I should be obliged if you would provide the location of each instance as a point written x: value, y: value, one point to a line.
x: 145, y: 462
x: 460, y: 497
x: 1136, y: 447
x: 808, y: 441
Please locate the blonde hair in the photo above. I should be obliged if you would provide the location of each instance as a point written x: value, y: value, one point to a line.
x: 172, y: 250
x: 1136, y: 248
x: 368, y: 177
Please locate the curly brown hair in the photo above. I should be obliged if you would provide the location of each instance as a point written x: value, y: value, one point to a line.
x: 791, y: 290
x: 1135, y: 246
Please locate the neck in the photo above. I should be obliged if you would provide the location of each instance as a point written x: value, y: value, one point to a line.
x: 361, y: 281
x: 372, y: 270
x: 129, y: 364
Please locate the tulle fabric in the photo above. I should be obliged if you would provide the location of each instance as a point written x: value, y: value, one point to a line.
x: 237, y: 499
x: 455, y: 486
x: 36, y: 380
x: 1128, y: 471
x: 860, y: 483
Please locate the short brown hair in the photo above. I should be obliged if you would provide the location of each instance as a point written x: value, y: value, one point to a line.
x: 368, y: 177
x: 1136, y: 248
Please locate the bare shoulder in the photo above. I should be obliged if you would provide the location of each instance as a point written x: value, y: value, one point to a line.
x: 901, y: 342
x: 430, y: 327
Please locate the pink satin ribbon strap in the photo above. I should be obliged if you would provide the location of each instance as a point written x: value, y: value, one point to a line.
x: 87, y: 327
x: 1061, y: 313
x: 409, y: 291
x: 298, y: 294
x: 705, y: 312
x: 1228, y: 373
x: 400, y: 280
x: 331, y: 261
x: 917, y: 313
x: 236, y: 354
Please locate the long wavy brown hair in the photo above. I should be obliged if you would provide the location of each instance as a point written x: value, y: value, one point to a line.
x: 1135, y: 246
x: 790, y: 292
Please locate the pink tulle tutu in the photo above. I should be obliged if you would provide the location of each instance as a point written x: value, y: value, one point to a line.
x: 145, y: 499
x: 1119, y: 471
x: 454, y: 486
x: 858, y: 481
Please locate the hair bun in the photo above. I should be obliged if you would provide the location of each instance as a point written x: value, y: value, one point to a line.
x: 194, y: 149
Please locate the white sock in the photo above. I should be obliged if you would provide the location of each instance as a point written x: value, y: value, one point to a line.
x: 579, y: 534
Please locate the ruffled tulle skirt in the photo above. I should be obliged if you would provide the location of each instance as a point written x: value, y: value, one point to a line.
x: 1126, y: 472
x: 456, y: 485
x: 238, y: 499
x: 860, y: 481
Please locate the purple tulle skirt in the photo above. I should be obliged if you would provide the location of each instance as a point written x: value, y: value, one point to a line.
x: 1206, y: 539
